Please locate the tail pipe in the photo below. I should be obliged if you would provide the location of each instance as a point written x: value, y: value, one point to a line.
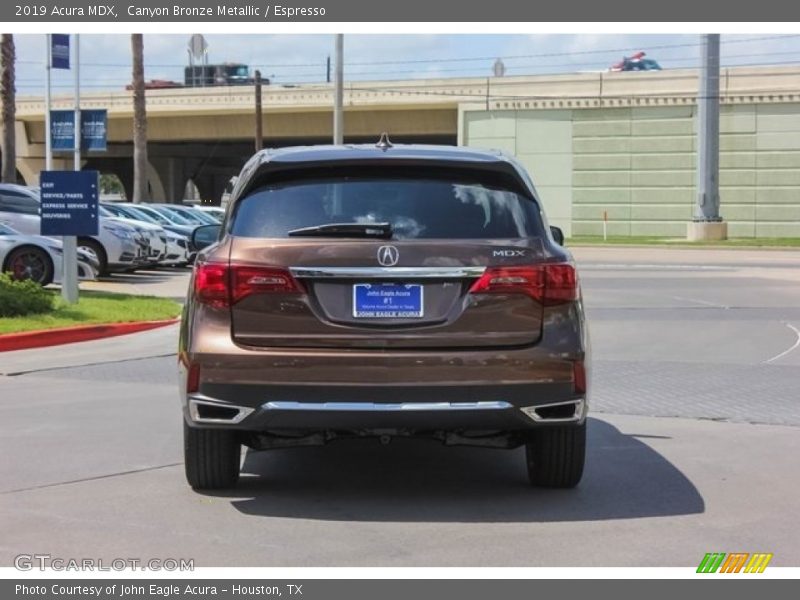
x: 567, y: 411
x: 207, y: 410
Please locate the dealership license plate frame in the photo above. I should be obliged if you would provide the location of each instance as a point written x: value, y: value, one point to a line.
x: 397, y: 307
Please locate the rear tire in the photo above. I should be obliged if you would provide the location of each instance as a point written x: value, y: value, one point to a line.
x: 211, y: 458
x: 555, y: 456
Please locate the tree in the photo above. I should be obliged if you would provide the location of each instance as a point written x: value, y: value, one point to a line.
x: 111, y: 185
x: 140, y: 191
x: 8, y: 143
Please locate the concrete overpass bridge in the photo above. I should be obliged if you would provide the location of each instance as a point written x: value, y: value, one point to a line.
x: 205, y: 135
x: 620, y: 143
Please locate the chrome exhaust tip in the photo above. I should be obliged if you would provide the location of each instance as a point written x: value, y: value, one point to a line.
x: 556, y: 412
x: 203, y: 409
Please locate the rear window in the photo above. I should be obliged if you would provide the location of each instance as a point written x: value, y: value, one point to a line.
x: 418, y: 207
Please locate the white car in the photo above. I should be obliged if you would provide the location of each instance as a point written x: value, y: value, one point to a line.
x: 215, y: 211
x: 177, y: 250
x: 173, y: 247
x: 150, y: 213
x: 118, y: 246
x: 155, y: 235
x: 39, y: 258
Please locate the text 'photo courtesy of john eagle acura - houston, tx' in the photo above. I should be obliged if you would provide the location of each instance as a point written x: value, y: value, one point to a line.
x: 383, y: 291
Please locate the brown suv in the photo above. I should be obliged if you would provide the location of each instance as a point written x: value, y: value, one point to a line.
x: 383, y: 291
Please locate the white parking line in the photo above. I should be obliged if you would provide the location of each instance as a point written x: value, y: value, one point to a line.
x: 703, y: 302
x: 795, y: 345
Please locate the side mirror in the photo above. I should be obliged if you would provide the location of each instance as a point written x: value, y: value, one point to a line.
x: 558, y: 235
x: 205, y: 235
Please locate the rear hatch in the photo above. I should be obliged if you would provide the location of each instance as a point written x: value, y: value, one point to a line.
x: 420, y: 258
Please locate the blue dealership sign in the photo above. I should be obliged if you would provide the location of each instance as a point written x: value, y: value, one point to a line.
x: 62, y: 130
x: 94, y: 126
x: 69, y: 202
x: 59, y: 51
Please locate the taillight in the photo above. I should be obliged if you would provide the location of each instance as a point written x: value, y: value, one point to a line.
x: 211, y: 284
x: 549, y: 284
x: 192, y: 378
x: 521, y: 280
x: 247, y: 280
x: 579, y: 377
x: 561, y: 284
x: 220, y: 285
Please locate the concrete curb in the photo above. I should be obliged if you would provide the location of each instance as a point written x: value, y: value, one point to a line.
x: 69, y: 335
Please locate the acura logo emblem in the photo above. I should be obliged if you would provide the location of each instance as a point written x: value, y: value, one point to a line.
x: 388, y: 256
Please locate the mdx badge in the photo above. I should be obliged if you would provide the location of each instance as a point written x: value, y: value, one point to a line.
x: 388, y: 256
x: 508, y: 253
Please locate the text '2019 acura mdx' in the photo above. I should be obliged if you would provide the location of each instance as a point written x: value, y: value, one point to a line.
x: 383, y: 291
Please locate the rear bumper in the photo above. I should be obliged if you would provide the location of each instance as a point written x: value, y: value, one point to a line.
x: 397, y: 407
x: 312, y: 389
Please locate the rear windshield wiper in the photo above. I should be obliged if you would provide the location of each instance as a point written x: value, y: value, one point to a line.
x: 376, y: 230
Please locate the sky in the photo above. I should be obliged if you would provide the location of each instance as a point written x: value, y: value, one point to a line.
x: 297, y: 59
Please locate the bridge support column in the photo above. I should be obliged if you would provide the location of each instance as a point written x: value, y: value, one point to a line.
x: 30, y: 168
x: 173, y: 177
x: 156, y: 185
x: 126, y: 179
x: 211, y: 187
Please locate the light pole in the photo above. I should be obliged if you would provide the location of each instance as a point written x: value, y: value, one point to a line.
x: 707, y: 223
x: 48, y: 149
x: 259, y: 121
x: 69, y: 279
x: 338, y: 96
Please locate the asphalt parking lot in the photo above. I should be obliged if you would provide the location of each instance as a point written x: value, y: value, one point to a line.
x: 169, y: 282
x: 693, y: 446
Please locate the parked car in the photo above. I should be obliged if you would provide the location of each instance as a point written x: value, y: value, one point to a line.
x: 386, y: 291
x: 173, y: 247
x: 166, y: 220
x: 215, y: 211
x: 149, y: 213
x: 166, y: 216
x: 118, y: 246
x: 155, y: 235
x: 195, y: 217
x: 39, y: 258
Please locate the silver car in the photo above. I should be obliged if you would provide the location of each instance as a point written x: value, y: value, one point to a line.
x: 40, y: 258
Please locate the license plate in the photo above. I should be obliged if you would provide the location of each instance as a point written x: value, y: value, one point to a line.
x: 387, y: 301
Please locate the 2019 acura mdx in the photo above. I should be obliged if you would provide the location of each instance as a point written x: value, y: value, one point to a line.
x: 383, y: 291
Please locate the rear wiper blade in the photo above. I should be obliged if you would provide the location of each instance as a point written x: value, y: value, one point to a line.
x: 376, y: 230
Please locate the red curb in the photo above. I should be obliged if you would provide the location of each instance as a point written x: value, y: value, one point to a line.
x: 69, y: 335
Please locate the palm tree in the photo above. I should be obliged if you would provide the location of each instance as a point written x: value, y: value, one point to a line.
x: 9, y: 109
x: 140, y: 191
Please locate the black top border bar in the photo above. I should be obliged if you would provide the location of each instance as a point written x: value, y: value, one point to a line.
x: 387, y: 11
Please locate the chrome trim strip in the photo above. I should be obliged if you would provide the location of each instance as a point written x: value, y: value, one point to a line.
x: 530, y: 411
x: 196, y: 400
x: 388, y: 272
x: 387, y: 407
